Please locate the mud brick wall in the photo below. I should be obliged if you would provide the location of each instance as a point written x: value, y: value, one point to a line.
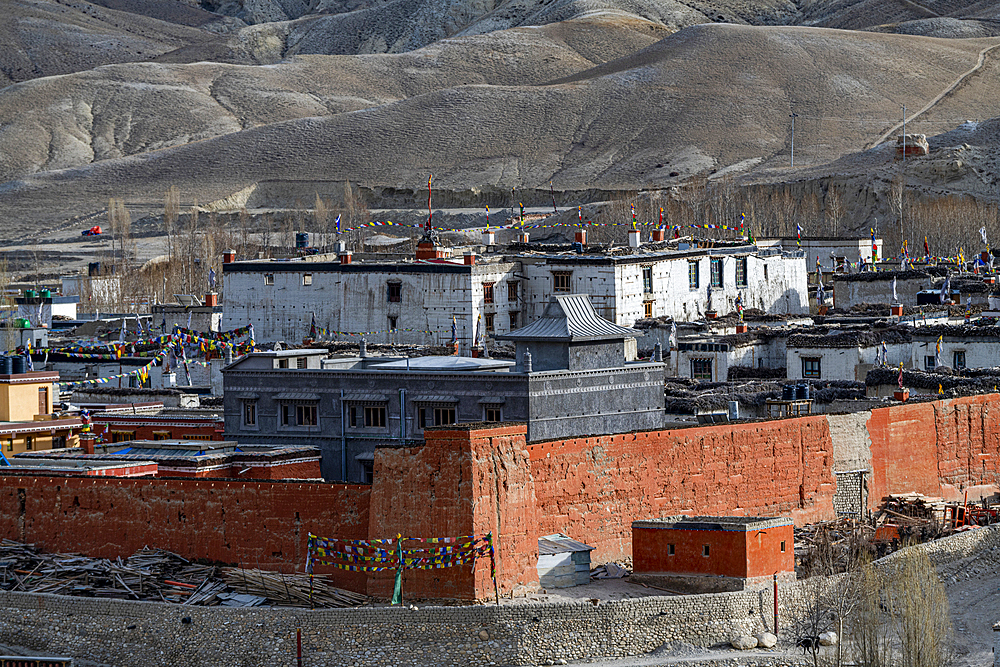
x: 935, y: 448
x: 255, y: 524
x: 593, y: 488
x: 463, y: 481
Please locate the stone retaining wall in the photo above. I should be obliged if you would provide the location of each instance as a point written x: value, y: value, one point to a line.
x: 147, y: 634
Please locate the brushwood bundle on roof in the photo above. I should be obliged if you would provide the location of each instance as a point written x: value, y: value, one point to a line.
x: 861, y: 337
x: 959, y: 331
x: 872, y: 276
x: 691, y: 397
x: 982, y: 380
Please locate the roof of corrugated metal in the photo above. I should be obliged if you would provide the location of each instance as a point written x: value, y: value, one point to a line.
x: 570, y: 317
x: 559, y: 544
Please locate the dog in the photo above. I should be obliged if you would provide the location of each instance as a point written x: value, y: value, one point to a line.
x: 809, y: 643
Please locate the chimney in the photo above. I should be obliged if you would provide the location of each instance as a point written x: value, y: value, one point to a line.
x: 345, y: 257
x: 87, y: 441
x: 489, y: 238
x: 469, y: 258
x: 212, y: 299
x: 659, y: 235
x: 633, y: 238
x: 427, y: 249
x: 581, y: 236
x: 523, y: 237
x: 228, y: 256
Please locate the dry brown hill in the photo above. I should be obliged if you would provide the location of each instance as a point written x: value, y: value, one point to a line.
x: 48, y: 37
x: 712, y: 98
x: 120, y: 110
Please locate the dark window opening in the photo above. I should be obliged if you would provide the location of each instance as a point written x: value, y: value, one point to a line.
x: 488, y: 292
x: 693, y: 275
x: 705, y: 550
x: 493, y: 413
x: 741, y: 272
x: 561, y: 281
x: 701, y: 369
x: 647, y: 279
x: 716, y: 273
x: 811, y: 367
x: 395, y: 292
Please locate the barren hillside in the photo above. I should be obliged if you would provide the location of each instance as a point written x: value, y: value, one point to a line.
x: 706, y: 99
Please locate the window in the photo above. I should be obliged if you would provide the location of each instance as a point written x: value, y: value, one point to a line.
x: 161, y: 435
x: 29, y: 442
x: 562, y: 281
x: 492, y: 413
x: 647, y: 279
x: 705, y: 551
x: 249, y: 413
x: 489, y: 321
x: 393, y: 320
x: 488, y: 292
x: 670, y: 550
x: 368, y: 469
x: 443, y: 416
x: 930, y: 362
x: 395, y: 292
x: 282, y: 363
x: 693, y: 275
x: 716, y: 267
x: 286, y: 414
x: 305, y: 415
x: 959, y: 360
x: 59, y: 442
x: 701, y: 369
x: 43, y: 400
x: 300, y: 362
x: 741, y: 272
x: 122, y: 436
x: 765, y: 272
x: 439, y: 416
x: 511, y: 291
x: 513, y: 320
x: 375, y: 416
x: 307, y: 279
x: 647, y: 308
x: 10, y: 444
x: 810, y: 367
x: 782, y: 546
x: 268, y: 278
x: 196, y: 436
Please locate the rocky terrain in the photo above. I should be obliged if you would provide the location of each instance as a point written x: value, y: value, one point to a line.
x: 125, y: 98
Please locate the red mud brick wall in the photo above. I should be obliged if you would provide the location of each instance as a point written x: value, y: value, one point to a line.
x: 593, y: 488
x: 251, y: 523
x: 935, y: 448
x: 460, y: 482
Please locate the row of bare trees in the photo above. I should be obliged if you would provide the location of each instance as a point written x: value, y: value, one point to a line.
x: 894, y: 612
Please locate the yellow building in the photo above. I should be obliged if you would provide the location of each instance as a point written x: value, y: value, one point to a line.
x: 27, y: 422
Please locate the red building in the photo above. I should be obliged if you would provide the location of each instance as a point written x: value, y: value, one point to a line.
x: 184, y: 458
x: 151, y: 421
x: 713, y: 553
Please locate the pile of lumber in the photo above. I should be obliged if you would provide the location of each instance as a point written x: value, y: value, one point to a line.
x: 290, y: 590
x: 160, y: 576
x: 911, y: 508
x: 828, y: 547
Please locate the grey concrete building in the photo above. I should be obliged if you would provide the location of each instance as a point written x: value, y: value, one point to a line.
x: 576, y: 375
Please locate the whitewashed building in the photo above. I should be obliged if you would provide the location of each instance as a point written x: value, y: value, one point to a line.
x: 845, y: 354
x: 416, y: 302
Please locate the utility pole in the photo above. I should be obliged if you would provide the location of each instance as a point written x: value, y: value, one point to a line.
x: 902, y: 185
x: 793, y: 116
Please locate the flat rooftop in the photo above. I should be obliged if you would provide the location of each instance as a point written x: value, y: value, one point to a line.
x: 724, y: 523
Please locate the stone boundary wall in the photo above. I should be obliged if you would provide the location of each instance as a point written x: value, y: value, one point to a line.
x: 149, y: 634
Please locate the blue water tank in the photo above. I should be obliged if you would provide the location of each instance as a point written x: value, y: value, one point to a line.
x: 19, y: 365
